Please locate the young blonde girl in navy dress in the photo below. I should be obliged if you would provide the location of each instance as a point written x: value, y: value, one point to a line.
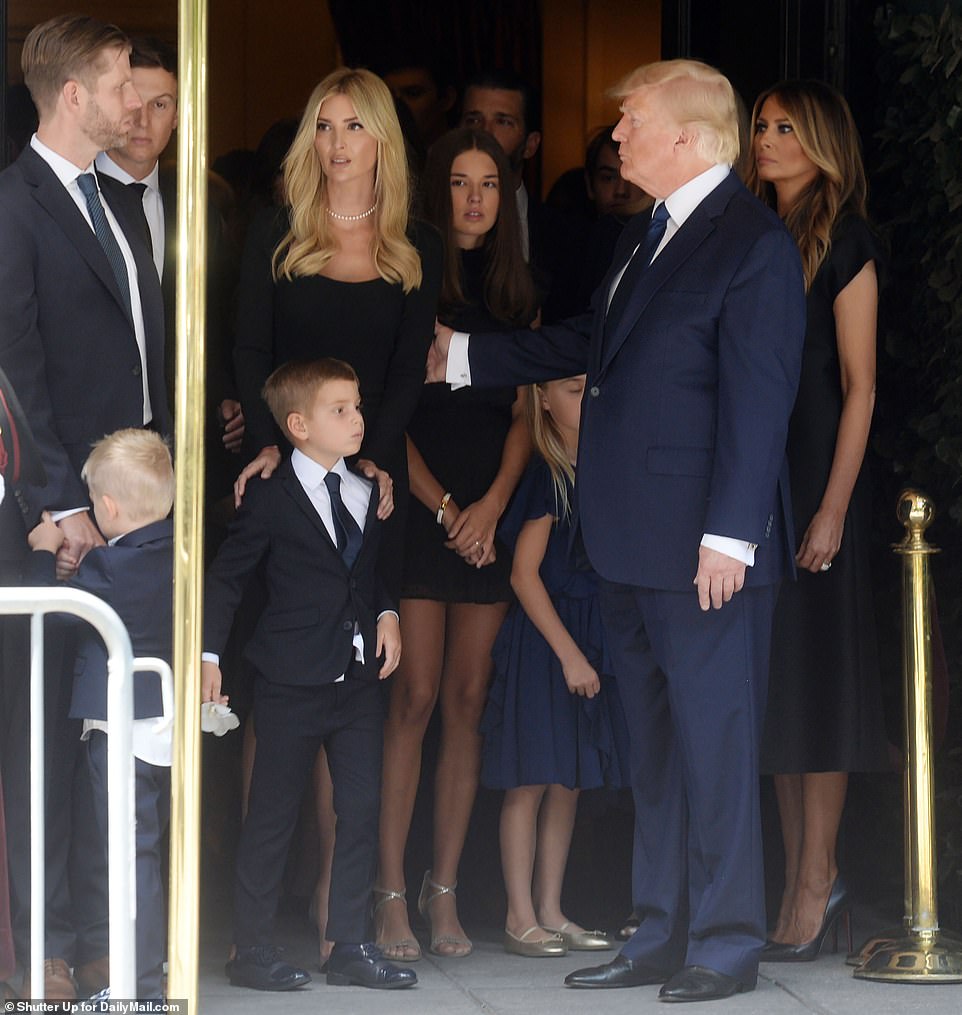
x: 553, y: 724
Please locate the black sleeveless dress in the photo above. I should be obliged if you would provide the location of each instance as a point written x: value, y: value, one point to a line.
x: 460, y: 435
x: 824, y: 700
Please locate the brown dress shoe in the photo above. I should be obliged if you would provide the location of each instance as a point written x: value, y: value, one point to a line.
x: 92, y: 977
x: 58, y: 984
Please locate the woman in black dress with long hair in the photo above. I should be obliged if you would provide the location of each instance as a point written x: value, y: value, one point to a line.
x: 824, y: 715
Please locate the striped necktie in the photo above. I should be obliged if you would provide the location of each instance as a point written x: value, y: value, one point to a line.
x: 88, y: 187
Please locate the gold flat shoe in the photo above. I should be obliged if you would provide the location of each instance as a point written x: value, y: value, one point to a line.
x: 552, y: 947
x: 583, y: 940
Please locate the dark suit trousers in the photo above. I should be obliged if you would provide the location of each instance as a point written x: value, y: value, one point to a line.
x: 152, y: 805
x: 693, y: 686
x: 291, y: 723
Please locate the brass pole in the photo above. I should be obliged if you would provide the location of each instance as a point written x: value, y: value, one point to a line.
x: 922, y: 953
x: 189, y: 502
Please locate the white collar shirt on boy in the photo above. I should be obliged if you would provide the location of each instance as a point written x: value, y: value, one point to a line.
x: 356, y: 494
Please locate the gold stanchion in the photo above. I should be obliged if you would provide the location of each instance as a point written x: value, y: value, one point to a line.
x: 189, y: 501
x: 922, y: 952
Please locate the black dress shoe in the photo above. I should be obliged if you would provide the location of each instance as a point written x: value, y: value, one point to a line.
x: 261, y: 968
x: 698, y: 983
x: 365, y: 966
x: 619, y: 972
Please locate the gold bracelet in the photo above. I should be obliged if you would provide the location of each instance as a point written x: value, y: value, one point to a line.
x: 442, y: 507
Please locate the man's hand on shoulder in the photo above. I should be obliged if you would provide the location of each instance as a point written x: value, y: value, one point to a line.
x: 719, y: 577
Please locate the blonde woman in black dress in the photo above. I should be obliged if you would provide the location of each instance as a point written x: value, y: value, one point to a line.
x: 824, y: 716
x: 344, y: 271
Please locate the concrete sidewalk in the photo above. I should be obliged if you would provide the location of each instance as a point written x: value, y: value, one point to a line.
x: 493, y: 983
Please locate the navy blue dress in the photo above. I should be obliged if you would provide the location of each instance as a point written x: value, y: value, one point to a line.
x: 535, y: 730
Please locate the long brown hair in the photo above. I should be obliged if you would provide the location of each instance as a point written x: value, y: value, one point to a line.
x: 509, y: 293
x: 826, y: 131
x: 309, y: 243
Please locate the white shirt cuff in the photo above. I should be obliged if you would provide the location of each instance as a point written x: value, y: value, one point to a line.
x: 458, y: 371
x: 56, y: 516
x: 210, y: 657
x: 737, y: 548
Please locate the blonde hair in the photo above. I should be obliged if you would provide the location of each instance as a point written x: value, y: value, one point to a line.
x: 65, y: 48
x: 825, y: 130
x: 548, y: 442
x: 309, y: 243
x: 134, y: 468
x: 294, y: 386
x: 701, y: 98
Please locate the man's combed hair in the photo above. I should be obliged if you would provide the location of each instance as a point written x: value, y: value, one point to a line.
x: 700, y: 98
x: 134, y: 468
x: 309, y: 243
x: 150, y: 52
x: 70, y: 47
x: 293, y: 387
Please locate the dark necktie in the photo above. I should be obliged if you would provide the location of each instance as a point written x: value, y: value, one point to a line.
x: 140, y: 189
x: 638, y: 263
x: 88, y: 187
x: 348, y: 531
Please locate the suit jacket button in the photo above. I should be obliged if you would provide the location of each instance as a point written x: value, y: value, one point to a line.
x: 135, y: 371
x: 348, y: 626
x: 595, y: 391
x: 353, y: 583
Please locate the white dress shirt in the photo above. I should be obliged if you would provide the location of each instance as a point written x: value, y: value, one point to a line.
x: 680, y: 204
x: 153, y: 204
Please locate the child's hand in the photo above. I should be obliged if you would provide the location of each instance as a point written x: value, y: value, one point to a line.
x: 210, y: 682
x: 388, y: 642
x: 46, y: 536
x: 580, y: 677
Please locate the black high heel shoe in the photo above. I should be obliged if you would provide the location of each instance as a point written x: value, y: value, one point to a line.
x: 837, y: 908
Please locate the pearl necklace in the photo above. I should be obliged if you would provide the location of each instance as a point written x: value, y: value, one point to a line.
x: 351, y: 218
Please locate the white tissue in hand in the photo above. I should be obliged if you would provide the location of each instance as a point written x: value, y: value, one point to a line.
x: 217, y: 719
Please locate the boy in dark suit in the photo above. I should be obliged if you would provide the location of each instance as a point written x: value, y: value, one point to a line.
x: 316, y: 650
x: 131, y: 483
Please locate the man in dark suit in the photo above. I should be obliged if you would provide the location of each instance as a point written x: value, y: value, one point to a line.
x: 81, y: 338
x: 316, y: 650
x: 692, y: 354
x: 136, y: 164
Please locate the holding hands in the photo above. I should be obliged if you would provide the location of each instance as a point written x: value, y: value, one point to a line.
x: 471, y: 531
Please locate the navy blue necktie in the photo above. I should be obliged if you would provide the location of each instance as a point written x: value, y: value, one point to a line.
x: 88, y: 187
x: 348, y: 532
x: 639, y: 262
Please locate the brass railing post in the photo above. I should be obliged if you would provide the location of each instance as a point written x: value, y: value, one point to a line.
x: 183, y: 938
x: 922, y: 953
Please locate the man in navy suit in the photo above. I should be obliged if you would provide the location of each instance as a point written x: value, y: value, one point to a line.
x: 692, y: 352
x: 81, y: 339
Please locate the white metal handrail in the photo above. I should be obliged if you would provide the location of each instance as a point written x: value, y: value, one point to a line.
x: 121, y: 841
